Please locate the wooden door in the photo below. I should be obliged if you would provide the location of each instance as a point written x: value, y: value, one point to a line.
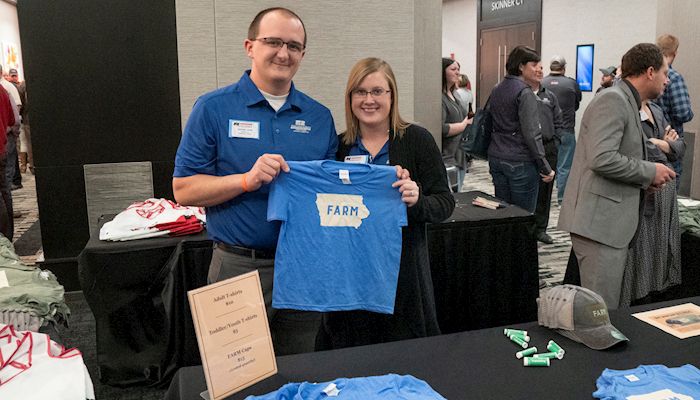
x: 491, y: 62
x: 494, y: 46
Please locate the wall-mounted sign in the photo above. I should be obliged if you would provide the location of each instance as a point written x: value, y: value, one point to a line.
x: 511, y: 9
x: 584, y: 67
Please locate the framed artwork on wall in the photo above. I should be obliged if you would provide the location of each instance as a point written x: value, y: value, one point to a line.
x: 10, y: 56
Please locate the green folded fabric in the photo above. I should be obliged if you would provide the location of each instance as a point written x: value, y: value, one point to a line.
x: 30, y: 289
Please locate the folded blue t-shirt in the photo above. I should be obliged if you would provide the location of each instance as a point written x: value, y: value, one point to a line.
x: 649, y: 382
x: 386, y: 387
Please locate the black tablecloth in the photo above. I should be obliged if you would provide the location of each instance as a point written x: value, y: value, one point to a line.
x: 477, y: 364
x: 690, y: 262
x: 137, y: 293
x: 484, y: 266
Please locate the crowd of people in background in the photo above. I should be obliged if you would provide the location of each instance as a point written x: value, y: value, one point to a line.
x: 15, y: 145
x: 616, y: 182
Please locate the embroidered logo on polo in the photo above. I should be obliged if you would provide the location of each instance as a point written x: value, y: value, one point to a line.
x: 300, y: 127
x: 341, y: 209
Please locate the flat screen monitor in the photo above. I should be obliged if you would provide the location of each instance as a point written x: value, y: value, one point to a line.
x: 584, y: 67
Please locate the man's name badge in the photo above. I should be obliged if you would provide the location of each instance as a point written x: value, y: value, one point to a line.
x: 243, y: 129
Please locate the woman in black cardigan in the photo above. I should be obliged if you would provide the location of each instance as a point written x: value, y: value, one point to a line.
x: 376, y: 133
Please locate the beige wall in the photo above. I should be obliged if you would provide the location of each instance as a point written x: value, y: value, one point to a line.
x: 459, y: 35
x: 680, y: 18
x: 613, y: 32
x: 404, y: 33
x: 427, y: 103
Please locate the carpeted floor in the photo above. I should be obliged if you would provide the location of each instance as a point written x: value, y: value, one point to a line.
x: 30, y: 241
x: 81, y: 334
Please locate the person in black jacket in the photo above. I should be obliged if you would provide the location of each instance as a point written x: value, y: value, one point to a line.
x: 377, y: 134
x: 516, y: 155
x: 568, y: 93
x: 552, y: 124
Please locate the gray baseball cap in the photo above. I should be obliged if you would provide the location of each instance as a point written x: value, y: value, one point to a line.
x: 579, y: 314
x: 557, y: 63
x: 610, y: 71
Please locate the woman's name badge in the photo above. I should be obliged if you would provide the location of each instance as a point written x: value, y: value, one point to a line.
x: 357, y: 159
x: 243, y: 129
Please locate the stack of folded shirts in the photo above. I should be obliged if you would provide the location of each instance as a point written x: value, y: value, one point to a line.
x: 33, y: 360
x: 689, y: 215
x: 29, y: 296
x: 152, y: 218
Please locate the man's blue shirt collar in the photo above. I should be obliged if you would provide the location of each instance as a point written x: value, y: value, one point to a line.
x: 254, y: 97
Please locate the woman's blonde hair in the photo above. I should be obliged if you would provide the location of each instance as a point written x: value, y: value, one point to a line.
x: 358, y: 73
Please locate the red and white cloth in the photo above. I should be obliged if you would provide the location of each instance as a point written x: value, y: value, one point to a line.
x: 151, y: 218
x: 32, y: 366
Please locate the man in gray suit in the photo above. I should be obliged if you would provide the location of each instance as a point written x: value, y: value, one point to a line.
x: 609, y: 173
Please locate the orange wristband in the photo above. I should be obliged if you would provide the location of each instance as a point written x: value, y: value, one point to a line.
x: 244, y: 184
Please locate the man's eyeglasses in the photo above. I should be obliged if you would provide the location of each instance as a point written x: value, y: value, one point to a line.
x: 376, y: 92
x: 277, y: 43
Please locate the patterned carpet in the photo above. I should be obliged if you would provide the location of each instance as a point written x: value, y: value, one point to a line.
x: 552, y: 257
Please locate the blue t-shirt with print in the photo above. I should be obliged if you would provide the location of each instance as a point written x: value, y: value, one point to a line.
x: 339, y: 246
x: 649, y: 382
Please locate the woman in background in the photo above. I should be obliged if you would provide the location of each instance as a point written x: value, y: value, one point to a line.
x: 375, y: 129
x: 464, y: 95
x: 654, y: 258
x: 516, y: 154
x: 454, y: 121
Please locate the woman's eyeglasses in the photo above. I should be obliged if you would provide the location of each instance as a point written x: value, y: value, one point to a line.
x: 376, y: 92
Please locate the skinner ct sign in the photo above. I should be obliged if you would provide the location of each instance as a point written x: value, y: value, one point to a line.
x: 503, y: 4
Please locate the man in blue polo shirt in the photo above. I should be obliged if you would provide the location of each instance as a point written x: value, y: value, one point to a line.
x: 236, y: 142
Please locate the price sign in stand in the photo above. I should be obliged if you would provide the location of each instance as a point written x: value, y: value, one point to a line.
x: 233, y: 334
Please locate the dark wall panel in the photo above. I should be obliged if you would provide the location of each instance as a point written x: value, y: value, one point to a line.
x: 62, y: 208
x: 103, y: 82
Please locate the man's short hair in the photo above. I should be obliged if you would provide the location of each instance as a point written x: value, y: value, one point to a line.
x: 254, y: 27
x: 640, y: 57
x: 668, y: 44
x: 518, y: 56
